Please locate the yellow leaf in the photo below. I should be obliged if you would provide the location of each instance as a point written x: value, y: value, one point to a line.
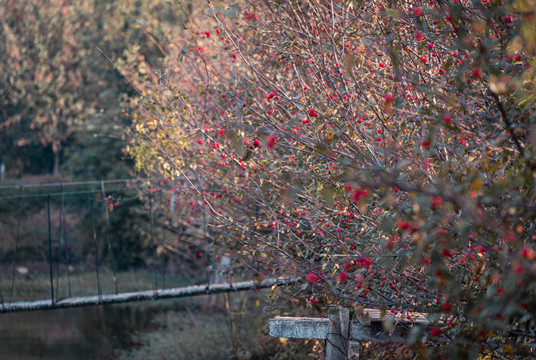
x: 383, y: 312
x: 499, y: 84
x: 141, y: 69
x: 349, y: 61
x: 479, y: 27
x: 477, y: 185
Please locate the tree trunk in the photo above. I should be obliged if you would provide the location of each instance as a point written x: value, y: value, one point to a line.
x: 56, y: 148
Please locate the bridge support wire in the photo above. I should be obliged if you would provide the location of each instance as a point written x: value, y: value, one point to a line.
x: 106, y: 299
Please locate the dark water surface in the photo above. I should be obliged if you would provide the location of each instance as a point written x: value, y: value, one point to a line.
x: 79, y: 333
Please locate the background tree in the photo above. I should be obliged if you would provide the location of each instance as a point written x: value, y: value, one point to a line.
x: 64, y: 109
x: 42, y: 92
x: 61, y: 90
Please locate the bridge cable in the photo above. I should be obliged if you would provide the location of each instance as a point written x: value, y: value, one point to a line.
x: 153, y: 268
x: 163, y: 261
x: 50, y: 251
x: 76, y: 183
x: 92, y: 206
x: 16, y: 246
x: 108, y: 236
x: 58, y: 252
x: 66, y: 243
x: 1, y: 298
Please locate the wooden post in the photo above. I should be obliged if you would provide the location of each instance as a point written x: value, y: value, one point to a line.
x: 337, y: 336
x: 343, y: 337
x: 354, y: 349
x: 299, y: 328
x: 335, y: 330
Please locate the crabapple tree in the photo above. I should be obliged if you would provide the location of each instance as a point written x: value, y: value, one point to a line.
x: 383, y: 151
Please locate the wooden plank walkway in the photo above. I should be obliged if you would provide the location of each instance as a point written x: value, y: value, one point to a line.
x: 48, y: 304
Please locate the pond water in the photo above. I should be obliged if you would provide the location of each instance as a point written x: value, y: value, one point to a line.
x: 79, y: 333
x: 207, y: 327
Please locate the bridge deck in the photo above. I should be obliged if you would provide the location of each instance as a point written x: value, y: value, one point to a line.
x: 48, y: 304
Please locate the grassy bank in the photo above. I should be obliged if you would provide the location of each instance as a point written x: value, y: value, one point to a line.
x: 240, y: 331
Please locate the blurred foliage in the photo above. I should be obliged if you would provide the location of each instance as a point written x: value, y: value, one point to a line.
x: 64, y: 110
x: 61, y: 97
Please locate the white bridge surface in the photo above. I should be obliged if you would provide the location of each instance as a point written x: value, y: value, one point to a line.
x: 49, y: 304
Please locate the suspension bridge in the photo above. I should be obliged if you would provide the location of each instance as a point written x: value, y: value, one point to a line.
x: 50, y: 219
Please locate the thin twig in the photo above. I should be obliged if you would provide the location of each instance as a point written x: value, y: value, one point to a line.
x: 508, y: 124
